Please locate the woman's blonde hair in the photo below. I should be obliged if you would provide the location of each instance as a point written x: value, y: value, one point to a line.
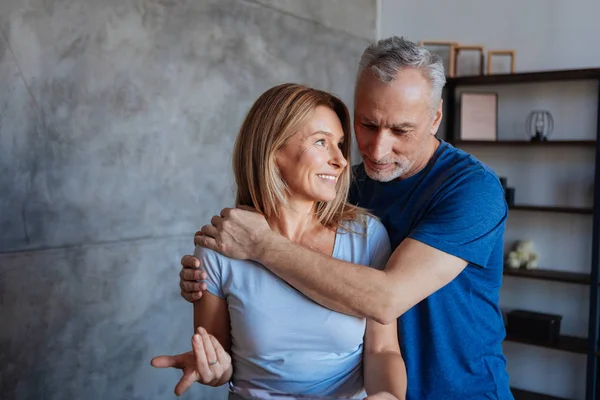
x: 272, y: 120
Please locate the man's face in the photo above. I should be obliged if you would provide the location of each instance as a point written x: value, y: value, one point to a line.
x: 395, y: 124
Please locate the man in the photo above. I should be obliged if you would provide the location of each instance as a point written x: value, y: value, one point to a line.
x: 445, y: 214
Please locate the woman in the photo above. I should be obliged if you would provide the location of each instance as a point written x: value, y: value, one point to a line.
x: 290, y: 164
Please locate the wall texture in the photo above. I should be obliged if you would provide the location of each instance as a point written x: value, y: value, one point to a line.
x: 117, y: 120
x: 547, y: 35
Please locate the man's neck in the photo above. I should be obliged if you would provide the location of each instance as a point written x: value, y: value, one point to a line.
x: 423, y: 159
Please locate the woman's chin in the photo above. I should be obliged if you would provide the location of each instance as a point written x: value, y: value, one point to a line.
x: 324, y: 199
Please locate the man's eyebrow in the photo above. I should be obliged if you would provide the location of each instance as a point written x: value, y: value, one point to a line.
x: 367, y: 121
x: 402, y: 126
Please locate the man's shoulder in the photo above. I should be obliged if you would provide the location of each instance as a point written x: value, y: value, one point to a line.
x: 458, y: 169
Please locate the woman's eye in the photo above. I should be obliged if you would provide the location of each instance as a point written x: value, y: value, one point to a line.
x: 341, y: 145
x: 320, y: 142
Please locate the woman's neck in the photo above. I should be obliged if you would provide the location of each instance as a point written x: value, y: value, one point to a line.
x: 296, y: 221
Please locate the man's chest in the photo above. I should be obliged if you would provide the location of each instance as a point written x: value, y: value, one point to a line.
x: 399, y: 210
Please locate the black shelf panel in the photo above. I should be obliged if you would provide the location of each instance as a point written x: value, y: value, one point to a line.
x: 526, y: 77
x: 549, y: 275
x: 521, y: 394
x: 524, y: 143
x: 571, y: 344
x: 553, y: 209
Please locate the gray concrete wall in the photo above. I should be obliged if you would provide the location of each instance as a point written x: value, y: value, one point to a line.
x: 117, y: 120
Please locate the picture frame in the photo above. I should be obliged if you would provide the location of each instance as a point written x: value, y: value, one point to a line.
x: 478, y: 116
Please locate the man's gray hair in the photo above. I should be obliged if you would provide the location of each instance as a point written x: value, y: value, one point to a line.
x: 389, y: 56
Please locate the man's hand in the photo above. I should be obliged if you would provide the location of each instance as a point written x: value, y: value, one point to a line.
x: 207, y: 363
x: 381, y: 396
x: 237, y: 233
x: 190, y: 273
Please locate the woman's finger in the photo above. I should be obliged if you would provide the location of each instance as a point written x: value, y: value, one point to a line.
x: 209, y: 350
x: 201, y: 363
x: 187, y: 380
x: 222, y: 357
x: 177, y: 361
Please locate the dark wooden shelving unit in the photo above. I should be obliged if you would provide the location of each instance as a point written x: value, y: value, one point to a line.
x: 550, y: 275
x: 521, y: 394
x: 552, y: 209
x: 572, y: 344
x: 525, y: 143
x: 527, y: 77
x: 587, y: 346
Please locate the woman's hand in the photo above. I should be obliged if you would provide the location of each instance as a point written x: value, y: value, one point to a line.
x: 208, y: 363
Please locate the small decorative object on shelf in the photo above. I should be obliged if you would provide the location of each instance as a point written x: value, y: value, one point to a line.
x: 532, y: 326
x: 459, y: 48
x: 478, y: 116
x: 510, y: 53
x: 522, y: 256
x: 540, y: 125
x: 448, y: 58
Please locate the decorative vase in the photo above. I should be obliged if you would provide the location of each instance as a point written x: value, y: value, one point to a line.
x: 540, y: 125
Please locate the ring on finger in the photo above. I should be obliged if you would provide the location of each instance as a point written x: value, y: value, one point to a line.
x: 213, y: 362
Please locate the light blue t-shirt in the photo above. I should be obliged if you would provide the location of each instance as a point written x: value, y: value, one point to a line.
x: 281, y: 340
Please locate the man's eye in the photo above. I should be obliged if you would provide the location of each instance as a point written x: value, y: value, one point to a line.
x: 399, y: 132
x: 369, y: 126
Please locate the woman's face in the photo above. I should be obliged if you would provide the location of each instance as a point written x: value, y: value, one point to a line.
x: 311, y: 160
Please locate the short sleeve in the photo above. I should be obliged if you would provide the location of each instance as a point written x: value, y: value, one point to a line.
x: 467, y: 220
x: 210, y: 261
x: 379, y: 244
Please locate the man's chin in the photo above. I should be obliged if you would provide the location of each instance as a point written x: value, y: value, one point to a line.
x: 383, y: 176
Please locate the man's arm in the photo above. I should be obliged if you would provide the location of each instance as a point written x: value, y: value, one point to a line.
x: 462, y: 227
x: 413, y: 272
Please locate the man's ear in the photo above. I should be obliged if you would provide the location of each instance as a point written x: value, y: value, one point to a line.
x: 437, y: 118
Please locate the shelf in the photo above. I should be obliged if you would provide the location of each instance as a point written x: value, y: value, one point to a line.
x: 571, y: 344
x: 526, y: 77
x: 549, y: 275
x: 567, y: 210
x: 527, y: 395
x: 524, y: 143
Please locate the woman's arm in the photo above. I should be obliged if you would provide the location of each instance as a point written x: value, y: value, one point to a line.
x: 211, y: 313
x: 383, y: 366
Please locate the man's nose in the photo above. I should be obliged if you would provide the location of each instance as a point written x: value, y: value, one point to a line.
x: 379, y: 146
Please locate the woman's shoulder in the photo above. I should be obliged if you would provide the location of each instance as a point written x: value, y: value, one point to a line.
x: 364, y: 224
x: 209, y: 256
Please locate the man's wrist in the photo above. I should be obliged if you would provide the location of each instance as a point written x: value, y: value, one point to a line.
x: 265, y: 244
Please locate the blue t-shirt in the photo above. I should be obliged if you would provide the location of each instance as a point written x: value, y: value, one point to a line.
x: 281, y: 341
x: 451, y: 341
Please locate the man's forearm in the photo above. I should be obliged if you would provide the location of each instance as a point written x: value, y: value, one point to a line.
x: 339, y: 285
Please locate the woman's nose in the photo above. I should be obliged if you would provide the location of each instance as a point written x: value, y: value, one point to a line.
x: 337, y: 158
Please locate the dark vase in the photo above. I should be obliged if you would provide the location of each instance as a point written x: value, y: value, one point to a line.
x: 540, y: 125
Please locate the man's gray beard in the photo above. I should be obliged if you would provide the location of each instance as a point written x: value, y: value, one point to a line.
x: 400, y: 170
